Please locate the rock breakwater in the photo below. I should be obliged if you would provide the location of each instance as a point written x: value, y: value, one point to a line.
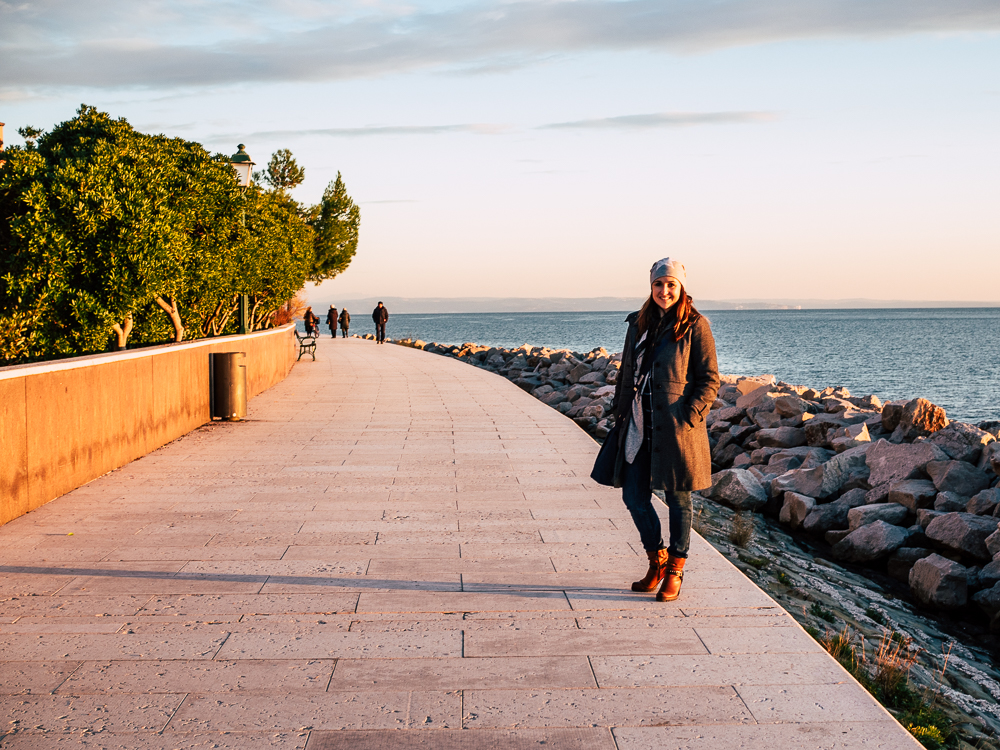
x: 897, y: 506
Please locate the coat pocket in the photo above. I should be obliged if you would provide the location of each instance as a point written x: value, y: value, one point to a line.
x: 678, y: 412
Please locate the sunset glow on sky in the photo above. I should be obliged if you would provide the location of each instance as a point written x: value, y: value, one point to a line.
x: 822, y: 150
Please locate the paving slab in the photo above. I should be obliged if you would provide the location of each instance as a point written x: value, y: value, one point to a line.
x: 475, y: 739
x: 463, y: 673
x: 107, y: 740
x: 395, y: 551
x: 840, y: 735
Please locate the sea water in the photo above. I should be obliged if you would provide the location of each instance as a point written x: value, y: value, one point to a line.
x: 949, y: 356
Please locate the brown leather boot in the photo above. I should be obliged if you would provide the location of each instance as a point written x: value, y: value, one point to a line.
x: 673, y: 574
x: 653, y: 576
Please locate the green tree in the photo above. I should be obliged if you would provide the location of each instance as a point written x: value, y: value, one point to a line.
x: 85, y: 236
x: 107, y: 233
x: 112, y: 221
x: 283, y: 173
x: 337, y: 222
x: 277, y: 255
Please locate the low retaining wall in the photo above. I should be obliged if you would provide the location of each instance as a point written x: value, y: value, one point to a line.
x: 67, y: 422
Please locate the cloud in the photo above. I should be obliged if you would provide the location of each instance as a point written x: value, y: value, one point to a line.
x: 632, y: 122
x: 121, y: 43
x: 377, y: 130
x: 660, y: 120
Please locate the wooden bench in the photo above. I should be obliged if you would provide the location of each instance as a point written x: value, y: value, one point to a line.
x: 307, y: 345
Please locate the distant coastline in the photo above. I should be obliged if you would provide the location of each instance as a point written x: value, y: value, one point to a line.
x: 445, y: 305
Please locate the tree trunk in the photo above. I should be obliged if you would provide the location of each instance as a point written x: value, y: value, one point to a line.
x: 122, y: 331
x: 169, y: 306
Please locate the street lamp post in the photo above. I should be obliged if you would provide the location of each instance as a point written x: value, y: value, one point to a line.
x: 243, y: 164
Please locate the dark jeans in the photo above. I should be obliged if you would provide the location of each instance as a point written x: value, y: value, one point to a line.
x: 380, y: 331
x: 638, y: 499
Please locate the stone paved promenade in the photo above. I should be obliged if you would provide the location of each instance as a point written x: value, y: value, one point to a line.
x: 395, y: 551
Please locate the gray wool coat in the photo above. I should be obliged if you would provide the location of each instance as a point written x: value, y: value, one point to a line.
x: 684, y: 382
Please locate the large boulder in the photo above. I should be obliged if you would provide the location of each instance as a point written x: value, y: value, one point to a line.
x: 913, y: 493
x: 850, y: 436
x: 795, y: 509
x: 724, y: 458
x: 823, y: 518
x: 984, y: 503
x: 782, y: 462
x: 951, y: 502
x: 892, y: 412
x: 957, y: 476
x: 828, y: 478
x: 864, y: 515
x: 761, y: 395
x: 764, y: 419
x: 891, y: 463
x: 902, y: 560
x: 964, y: 533
x: 872, y: 402
x: 574, y: 375
x: 870, y: 543
x: 791, y: 406
x: 731, y: 414
x: 750, y: 383
x: 781, y: 437
x: 740, y: 433
x: 989, y: 599
x: 553, y: 398
x: 926, y: 515
x: 991, y: 458
x: 920, y: 417
x: 989, y: 576
x: 818, y: 429
x: 939, y: 582
x: 993, y: 543
x: 962, y: 441
x: 738, y: 489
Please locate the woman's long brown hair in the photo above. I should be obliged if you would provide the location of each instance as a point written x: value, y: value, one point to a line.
x: 684, y: 309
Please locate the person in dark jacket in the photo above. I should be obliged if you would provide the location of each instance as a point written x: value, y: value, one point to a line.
x: 345, y: 322
x: 331, y: 320
x: 380, y: 315
x: 667, y: 384
x: 311, y: 321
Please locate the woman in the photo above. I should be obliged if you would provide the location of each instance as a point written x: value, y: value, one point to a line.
x: 311, y: 321
x: 667, y: 384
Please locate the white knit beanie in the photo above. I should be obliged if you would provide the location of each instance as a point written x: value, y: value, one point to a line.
x: 668, y: 267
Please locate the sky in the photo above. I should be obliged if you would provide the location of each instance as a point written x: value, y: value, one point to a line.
x: 806, y: 149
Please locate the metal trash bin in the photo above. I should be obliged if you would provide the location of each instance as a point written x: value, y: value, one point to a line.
x: 229, y: 386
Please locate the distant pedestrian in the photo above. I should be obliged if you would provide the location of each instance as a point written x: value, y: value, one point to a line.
x: 380, y: 315
x: 311, y: 321
x: 345, y: 322
x: 667, y: 384
x: 331, y: 320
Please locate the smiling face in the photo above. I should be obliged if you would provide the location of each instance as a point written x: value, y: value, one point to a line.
x: 666, y: 290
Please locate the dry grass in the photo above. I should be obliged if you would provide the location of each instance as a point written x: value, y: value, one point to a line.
x: 840, y: 645
x: 291, y: 309
x: 698, y: 523
x: 891, y: 663
x: 742, y: 531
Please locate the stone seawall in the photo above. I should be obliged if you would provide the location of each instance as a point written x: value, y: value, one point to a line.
x: 895, y: 489
x: 66, y: 422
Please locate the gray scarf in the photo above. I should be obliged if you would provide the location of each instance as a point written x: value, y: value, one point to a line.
x: 636, y: 429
